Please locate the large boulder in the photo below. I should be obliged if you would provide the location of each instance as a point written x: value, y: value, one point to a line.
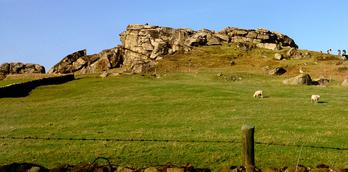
x: 80, y: 62
x: 4, y: 70
x: 66, y: 65
x: 20, y: 68
x: 302, y: 79
x: 345, y: 83
x: 205, y: 37
x: 291, y: 52
x: 143, y: 43
x: 278, y: 56
x: 277, y: 71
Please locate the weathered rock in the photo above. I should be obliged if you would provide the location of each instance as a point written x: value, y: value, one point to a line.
x: 19, y: 68
x: 307, y: 55
x: 227, y: 169
x: 302, y: 79
x: 321, y: 81
x: 151, y: 169
x: 82, y: 63
x: 5, y: 68
x: 245, y: 46
x: 175, y: 169
x: 270, y: 46
x: 320, y: 170
x: 146, y: 44
x: 150, y: 43
x: 345, y: 83
x: 2, y: 76
x: 270, y: 170
x: 278, y: 56
x: 277, y: 71
x: 344, y: 169
x: 79, y: 63
x: 291, y: 52
x: 296, y: 169
x: 104, y: 74
x: 124, y: 169
x: 66, y: 64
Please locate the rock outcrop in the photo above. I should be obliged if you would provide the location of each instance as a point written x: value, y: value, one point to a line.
x: 143, y: 45
x: 19, y: 68
x: 82, y: 63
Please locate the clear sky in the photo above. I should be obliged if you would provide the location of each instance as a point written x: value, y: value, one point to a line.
x: 44, y: 31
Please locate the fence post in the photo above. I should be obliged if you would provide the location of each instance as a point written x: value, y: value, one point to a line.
x: 248, y: 157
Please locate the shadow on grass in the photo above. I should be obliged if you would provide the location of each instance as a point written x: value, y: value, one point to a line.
x: 23, y: 89
x: 322, y: 102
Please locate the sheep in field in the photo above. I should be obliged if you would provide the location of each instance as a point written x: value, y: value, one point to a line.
x: 258, y: 94
x: 315, y: 98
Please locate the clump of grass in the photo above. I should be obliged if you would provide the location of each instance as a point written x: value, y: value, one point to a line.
x: 342, y: 69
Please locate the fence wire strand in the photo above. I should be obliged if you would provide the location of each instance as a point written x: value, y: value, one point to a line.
x: 165, y: 140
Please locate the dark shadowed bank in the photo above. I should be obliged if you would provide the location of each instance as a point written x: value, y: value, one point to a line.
x: 23, y: 89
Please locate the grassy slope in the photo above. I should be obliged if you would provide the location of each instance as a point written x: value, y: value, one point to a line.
x: 179, y: 105
x: 18, y: 78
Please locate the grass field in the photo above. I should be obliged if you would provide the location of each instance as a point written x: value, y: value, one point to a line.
x: 189, y: 102
x: 178, y: 106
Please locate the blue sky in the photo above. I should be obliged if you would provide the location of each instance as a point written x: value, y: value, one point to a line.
x: 44, y: 31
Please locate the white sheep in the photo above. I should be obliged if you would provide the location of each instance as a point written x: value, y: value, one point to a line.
x: 315, y: 98
x: 258, y: 94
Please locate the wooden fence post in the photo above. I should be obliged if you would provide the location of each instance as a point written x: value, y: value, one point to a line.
x: 248, y: 156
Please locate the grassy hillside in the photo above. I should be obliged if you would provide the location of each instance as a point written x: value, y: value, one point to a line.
x: 186, y: 103
x: 255, y: 60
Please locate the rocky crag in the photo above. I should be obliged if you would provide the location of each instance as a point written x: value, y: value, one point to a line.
x: 19, y: 68
x: 143, y: 45
x: 82, y: 63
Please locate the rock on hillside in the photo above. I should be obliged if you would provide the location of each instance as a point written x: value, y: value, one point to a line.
x: 143, y: 45
x: 82, y: 63
x: 302, y: 79
x: 19, y: 68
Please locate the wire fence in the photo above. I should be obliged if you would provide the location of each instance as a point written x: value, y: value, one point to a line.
x: 166, y: 140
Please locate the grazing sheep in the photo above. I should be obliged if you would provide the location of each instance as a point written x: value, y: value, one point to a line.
x: 315, y: 98
x: 258, y: 94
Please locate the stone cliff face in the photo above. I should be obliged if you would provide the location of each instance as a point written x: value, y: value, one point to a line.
x: 143, y: 45
x: 19, y: 68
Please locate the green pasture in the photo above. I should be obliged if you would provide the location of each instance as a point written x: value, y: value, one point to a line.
x: 178, y: 106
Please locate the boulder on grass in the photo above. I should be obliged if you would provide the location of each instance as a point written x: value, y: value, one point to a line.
x: 278, y: 56
x: 345, y: 82
x: 277, y: 71
x: 302, y: 79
